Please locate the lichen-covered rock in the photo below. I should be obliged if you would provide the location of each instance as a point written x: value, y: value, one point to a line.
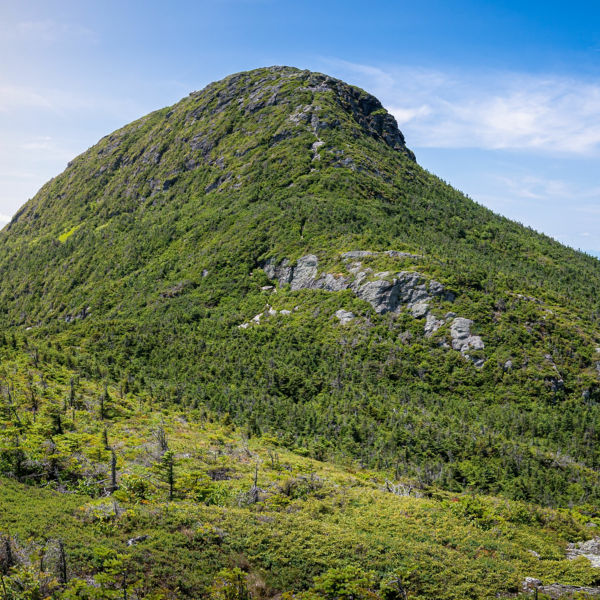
x: 331, y: 283
x: 382, y: 295
x: 408, y: 289
x: 432, y: 324
x: 345, y: 316
x: 281, y: 272
x: 385, y: 292
x: 353, y: 254
x: 462, y: 340
x: 304, y: 273
x: 419, y: 309
x: 589, y: 549
x: 558, y: 590
x: 531, y: 585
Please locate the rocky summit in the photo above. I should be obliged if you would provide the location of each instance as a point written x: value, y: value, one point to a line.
x: 250, y: 348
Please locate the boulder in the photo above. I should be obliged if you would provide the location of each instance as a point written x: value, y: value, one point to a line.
x: 432, y: 324
x: 304, y: 273
x: 462, y: 340
x: 345, y: 316
x: 589, y: 549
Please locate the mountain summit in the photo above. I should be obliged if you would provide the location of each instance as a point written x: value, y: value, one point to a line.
x: 286, y: 86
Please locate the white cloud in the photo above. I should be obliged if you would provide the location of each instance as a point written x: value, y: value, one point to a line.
x: 19, y: 97
x: 40, y: 143
x: 18, y: 100
x: 489, y: 110
x: 537, y: 188
x: 406, y: 115
x: 50, y: 31
x: 4, y: 219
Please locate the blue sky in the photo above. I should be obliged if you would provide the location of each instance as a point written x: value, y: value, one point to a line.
x: 500, y: 99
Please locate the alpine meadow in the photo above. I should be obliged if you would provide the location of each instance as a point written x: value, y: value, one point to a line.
x: 250, y: 349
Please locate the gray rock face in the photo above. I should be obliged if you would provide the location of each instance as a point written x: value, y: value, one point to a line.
x: 380, y: 294
x: 529, y: 584
x: 398, y: 254
x: 353, y: 254
x: 432, y: 324
x: 589, y: 549
x: 345, y: 316
x: 407, y: 289
x: 558, y: 590
x: 304, y: 273
x: 282, y: 272
x: 462, y: 340
x: 419, y: 309
x: 385, y: 293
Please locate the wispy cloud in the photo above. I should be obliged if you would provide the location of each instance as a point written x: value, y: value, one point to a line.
x: 538, y: 188
x: 50, y: 31
x: 19, y: 97
x: 491, y: 110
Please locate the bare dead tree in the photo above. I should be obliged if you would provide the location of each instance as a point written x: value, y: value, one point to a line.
x: 62, y: 564
x: 113, y: 471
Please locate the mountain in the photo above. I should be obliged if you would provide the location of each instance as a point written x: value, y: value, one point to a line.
x: 263, y: 275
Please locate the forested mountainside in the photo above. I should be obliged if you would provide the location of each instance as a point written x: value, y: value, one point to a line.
x: 252, y: 318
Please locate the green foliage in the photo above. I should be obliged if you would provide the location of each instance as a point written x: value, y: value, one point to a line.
x: 230, y: 584
x: 346, y: 583
x: 356, y: 461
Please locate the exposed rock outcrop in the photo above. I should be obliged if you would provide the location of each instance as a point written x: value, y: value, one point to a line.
x: 345, y: 316
x: 557, y: 590
x: 589, y: 549
x: 463, y: 340
x: 385, y: 292
x: 407, y: 289
x: 304, y: 275
x: 432, y: 324
x: 353, y: 254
